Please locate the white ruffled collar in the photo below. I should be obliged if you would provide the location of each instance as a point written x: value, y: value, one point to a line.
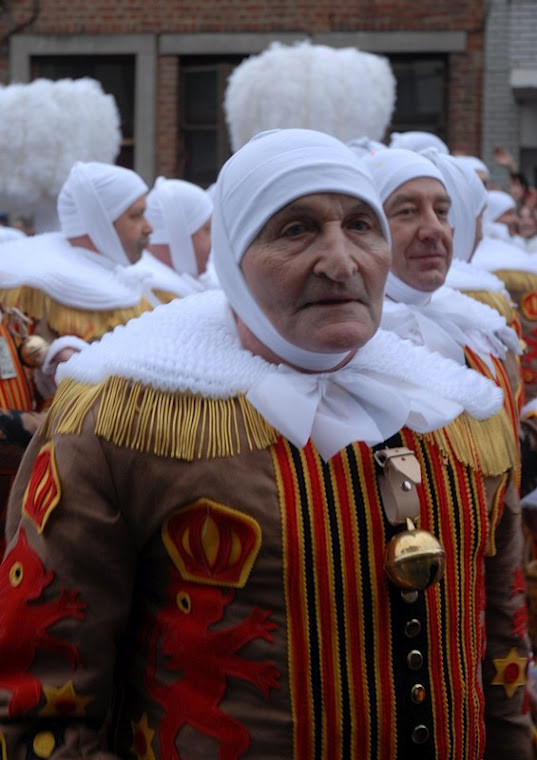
x: 72, y: 276
x: 159, y: 276
x: 448, y: 322
x: 191, y: 345
x: 465, y: 275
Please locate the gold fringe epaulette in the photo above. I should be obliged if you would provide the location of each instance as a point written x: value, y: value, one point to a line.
x: 177, y: 425
x: 486, y: 445
x: 165, y: 296
x: 495, y: 300
x: 515, y: 279
x: 66, y: 320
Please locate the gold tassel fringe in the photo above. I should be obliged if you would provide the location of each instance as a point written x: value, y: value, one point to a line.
x: 517, y: 280
x: 188, y: 426
x: 65, y: 320
x: 182, y: 426
x: 486, y: 445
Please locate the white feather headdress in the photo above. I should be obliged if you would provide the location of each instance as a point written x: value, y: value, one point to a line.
x: 344, y: 92
x: 47, y: 126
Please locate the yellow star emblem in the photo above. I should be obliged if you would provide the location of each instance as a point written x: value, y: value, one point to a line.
x: 64, y: 701
x: 142, y: 736
x: 510, y: 671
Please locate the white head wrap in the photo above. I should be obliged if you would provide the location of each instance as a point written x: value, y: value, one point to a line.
x: 476, y: 164
x: 93, y: 196
x: 362, y: 146
x: 393, y: 167
x: 417, y: 141
x: 498, y: 203
x: 270, y: 171
x: 176, y: 209
x: 468, y: 198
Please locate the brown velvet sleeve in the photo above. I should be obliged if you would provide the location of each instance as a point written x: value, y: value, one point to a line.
x: 507, y: 718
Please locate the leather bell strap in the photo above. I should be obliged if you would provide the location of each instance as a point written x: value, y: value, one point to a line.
x: 400, y: 475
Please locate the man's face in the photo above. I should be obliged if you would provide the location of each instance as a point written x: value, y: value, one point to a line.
x: 133, y: 229
x: 421, y: 234
x: 510, y: 219
x: 317, y: 269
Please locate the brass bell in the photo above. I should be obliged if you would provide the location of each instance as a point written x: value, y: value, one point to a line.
x: 33, y: 351
x: 414, y: 559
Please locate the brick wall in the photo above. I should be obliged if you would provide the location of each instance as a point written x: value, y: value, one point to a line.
x: 80, y: 17
x: 130, y: 16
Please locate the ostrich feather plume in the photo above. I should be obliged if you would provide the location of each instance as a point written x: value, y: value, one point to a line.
x: 47, y: 126
x: 345, y: 92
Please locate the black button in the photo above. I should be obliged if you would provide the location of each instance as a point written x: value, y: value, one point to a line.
x: 412, y: 628
x: 420, y: 734
x: 414, y: 659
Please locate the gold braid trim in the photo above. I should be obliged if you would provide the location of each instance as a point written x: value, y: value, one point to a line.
x: 494, y: 299
x: 136, y: 416
x: 486, y: 445
x: 188, y: 426
x: 165, y: 296
x: 66, y: 320
x: 514, y: 279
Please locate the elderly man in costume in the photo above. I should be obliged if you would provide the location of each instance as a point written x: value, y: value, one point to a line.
x: 177, y: 254
x: 266, y: 521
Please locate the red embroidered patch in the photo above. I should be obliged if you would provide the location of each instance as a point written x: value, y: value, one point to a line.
x: 205, y: 655
x: 43, y: 492
x: 24, y: 622
x: 518, y: 585
x: 520, y: 622
x: 528, y: 305
x: 212, y: 543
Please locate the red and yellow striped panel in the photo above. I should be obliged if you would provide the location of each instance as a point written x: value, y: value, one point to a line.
x: 349, y: 682
x: 15, y: 392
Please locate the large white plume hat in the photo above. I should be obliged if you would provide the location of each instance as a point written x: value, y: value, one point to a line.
x: 46, y: 127
x: 344, y: 92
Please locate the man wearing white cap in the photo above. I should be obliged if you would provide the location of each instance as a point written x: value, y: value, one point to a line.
x: 232, y: 481
x: 177, y: 254
x: 75, y: 283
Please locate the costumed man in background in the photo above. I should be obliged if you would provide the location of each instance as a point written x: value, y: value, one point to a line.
x: 517, y: 269
x: 20, y: 404
x: 267, y: 584
x: 468, y: 200
x: 419, y: 306
x: 76, y: 284
x: 176, y: 259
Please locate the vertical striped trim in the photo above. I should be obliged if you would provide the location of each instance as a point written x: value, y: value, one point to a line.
x: 347, y: 651
x: 14, y: 391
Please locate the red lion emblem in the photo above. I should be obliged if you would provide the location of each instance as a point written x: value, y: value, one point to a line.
x: 205, y: 659
x: 24, y: 623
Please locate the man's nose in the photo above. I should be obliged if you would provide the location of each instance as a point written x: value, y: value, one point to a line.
x: 335, y: 256
x: 431, y: 226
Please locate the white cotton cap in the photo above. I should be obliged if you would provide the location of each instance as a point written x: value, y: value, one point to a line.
x: 362, y: 146
x: 498, y: 203
x: 270, y: 171
x: 468, y: 198
x: 476, y: 164
x: 176, y: 209
x: 393, y: 167
x: 417, y: 141
x: 93, y: 196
